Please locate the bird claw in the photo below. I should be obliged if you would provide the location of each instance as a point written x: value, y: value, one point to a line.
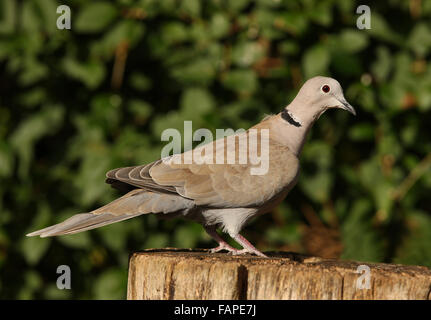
x: 222, y: 247
x: 216, y: 249
x: 236, y: 252
x: 245, y: 251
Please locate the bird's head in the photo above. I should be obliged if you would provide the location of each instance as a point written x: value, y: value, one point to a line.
x: 315, y: 97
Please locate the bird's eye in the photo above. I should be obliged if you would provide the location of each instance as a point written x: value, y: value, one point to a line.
x: 326, y: 88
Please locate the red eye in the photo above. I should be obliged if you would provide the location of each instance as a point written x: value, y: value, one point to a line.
x: 326, y: 88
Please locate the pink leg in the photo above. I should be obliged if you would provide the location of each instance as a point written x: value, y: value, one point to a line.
x: 248, y: 247
x: 223, y: 245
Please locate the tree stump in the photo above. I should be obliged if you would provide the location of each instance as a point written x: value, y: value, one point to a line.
x: 167, y: 274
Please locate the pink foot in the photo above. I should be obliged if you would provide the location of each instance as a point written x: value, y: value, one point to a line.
x: 248, y: 247
x: 223, y: 246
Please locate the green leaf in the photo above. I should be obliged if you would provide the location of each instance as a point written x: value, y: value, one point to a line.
x: 187, y: 236
x: 77, y: 241
x: 92, y: 172
x: 33, y: 249
x: 316, y: 61
x: 53, y: 293
x: 317, y: 186
x: 352, y: 41
x: 346, y: 64
x: 360, y: 240
x: 6, y: 163
x: 321, y: 13
x: 414, y: 249
x: 112, y: 284
x: 247, y: 53
x: 31, y: 130
x: 157, y: 240
x: 141, y: 109
x: 95, y: 17
x: 196, y: 102
x: 236, y: 6
x: 106, y: 110
x: 381, y: 30
x: 120, y: 230
x: 124, y: 32
x: 174, y: 32
x: 32, y: 282
x: 91, y: 73
x: 33, y: 72
x: 48, y: 14
x: 7, y: 16
x: 293, y: 22
x: 191, y: 7
x: 362, y: 132
x: 219, y: 25
x: 420, y: 40
x: 383, y: 65
x: 199, y: 71
x: 140, y: 82
x: 241, y: 81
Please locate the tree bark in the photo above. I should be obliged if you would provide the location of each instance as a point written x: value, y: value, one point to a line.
x: 166, y: 274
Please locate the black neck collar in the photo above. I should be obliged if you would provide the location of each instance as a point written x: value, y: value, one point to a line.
x: 286, y: 116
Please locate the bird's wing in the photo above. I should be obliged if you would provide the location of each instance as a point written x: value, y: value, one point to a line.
x: 229, y: 185
x: 137, y: 177
x: 210, y: 178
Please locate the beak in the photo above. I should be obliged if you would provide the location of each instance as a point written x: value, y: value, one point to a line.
x: 346, y: 106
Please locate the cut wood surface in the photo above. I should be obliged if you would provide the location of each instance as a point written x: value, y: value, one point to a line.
x: 165, y: 274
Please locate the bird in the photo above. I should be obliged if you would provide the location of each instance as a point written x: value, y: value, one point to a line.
x: 222, y: 195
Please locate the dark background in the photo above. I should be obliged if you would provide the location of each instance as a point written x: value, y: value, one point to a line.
x: 77, y: 103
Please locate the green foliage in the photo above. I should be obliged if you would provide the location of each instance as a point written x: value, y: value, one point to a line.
x: 95, y: 17
x: 77, y: 103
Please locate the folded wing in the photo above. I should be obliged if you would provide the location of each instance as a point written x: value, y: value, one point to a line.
x: 212, y: 184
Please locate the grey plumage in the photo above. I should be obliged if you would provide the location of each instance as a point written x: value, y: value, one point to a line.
x: 216, y: 195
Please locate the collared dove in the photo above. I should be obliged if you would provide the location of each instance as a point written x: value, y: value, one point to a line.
x: 225, y: 195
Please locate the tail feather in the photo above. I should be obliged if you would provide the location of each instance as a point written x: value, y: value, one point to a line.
x: 69, y: 224
x: 80, y: 222
x: 135, y: 203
